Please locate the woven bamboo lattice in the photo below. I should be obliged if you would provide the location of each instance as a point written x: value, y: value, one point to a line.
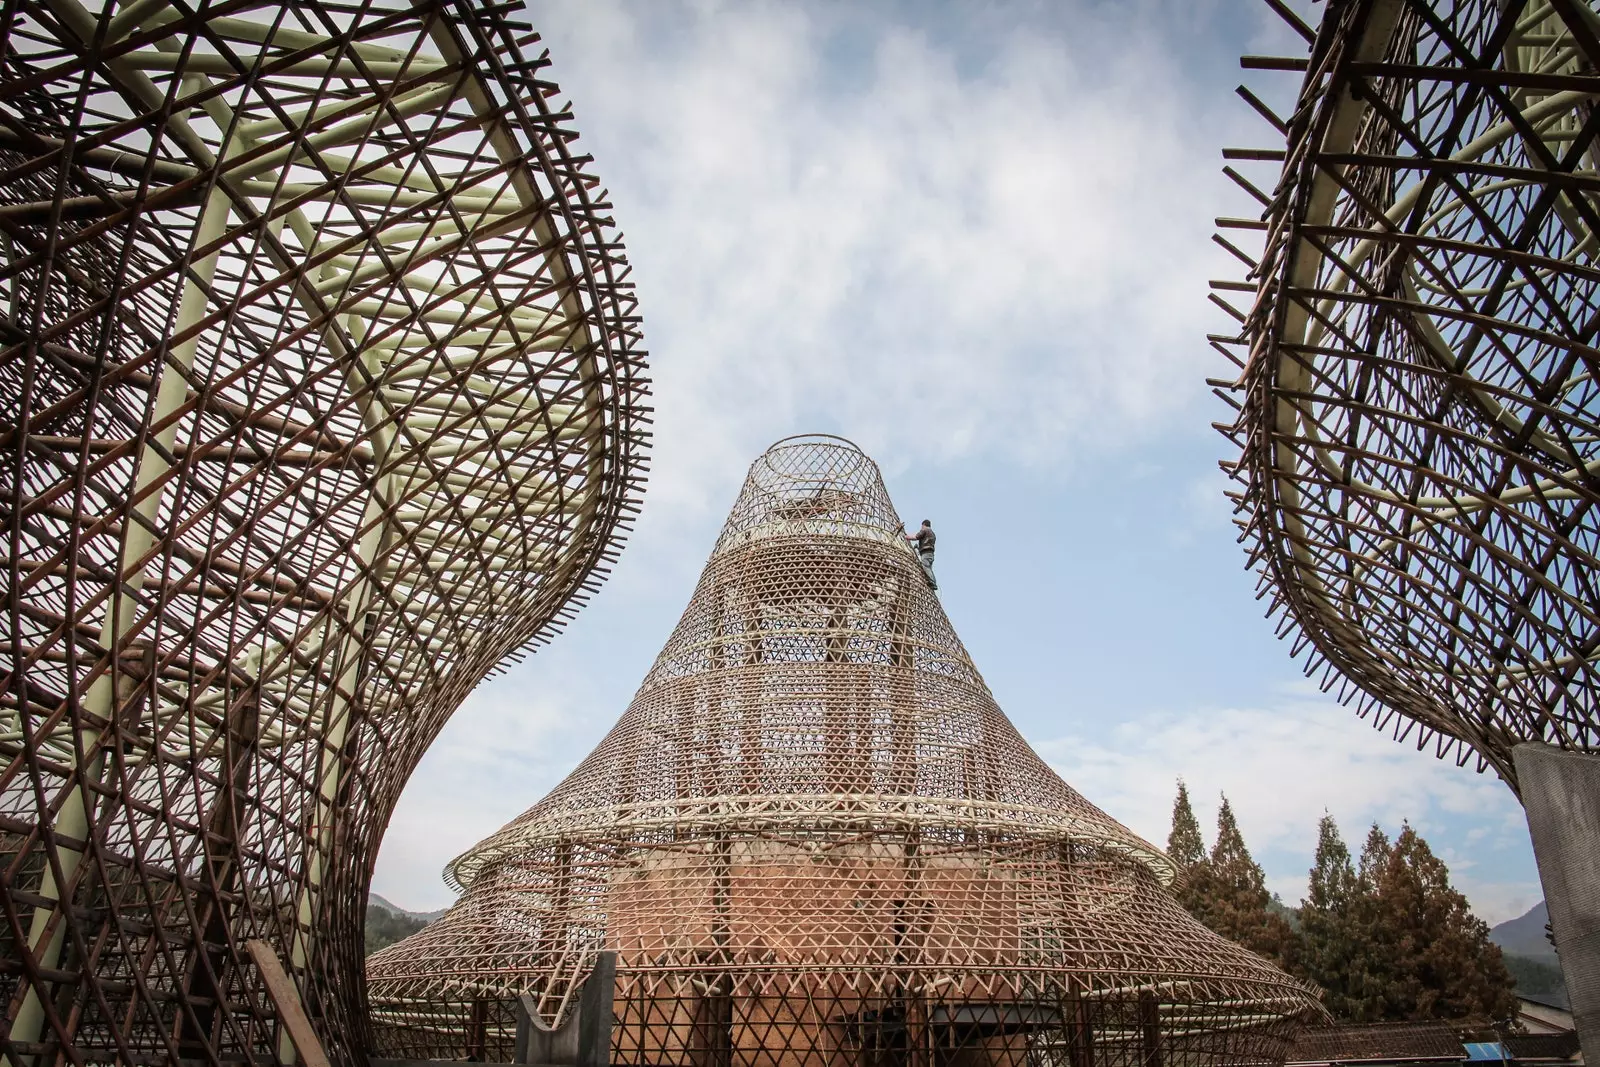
x: 815, y: 839
x: 319, y: 397
x: 1420, y: 387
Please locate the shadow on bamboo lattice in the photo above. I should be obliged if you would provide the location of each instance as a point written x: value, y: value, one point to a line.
x: 322, y: 397
x: 814, y: 838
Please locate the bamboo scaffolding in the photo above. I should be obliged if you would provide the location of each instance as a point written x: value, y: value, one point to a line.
x: 813, y: 838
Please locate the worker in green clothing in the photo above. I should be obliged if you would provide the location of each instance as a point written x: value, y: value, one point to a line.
x: 922, y: 544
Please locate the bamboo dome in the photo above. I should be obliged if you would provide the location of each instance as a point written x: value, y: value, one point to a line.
x: 814, y: 838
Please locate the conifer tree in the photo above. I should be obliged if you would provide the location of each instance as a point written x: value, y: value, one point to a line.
x: 1233, y: 898
x: 1391, y: 940
x: 1333, y: 879
x: 1337, y: 949
x: 1447, y: 966
x: 1188, y: 853
x: 1374, y: 857
x: 1184, y: 844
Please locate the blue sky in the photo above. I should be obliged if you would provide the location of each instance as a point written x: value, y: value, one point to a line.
x: 976, y: 241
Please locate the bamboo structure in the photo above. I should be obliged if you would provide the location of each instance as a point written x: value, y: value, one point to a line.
x: 1417, y: 388
x: 813, y: 839
x: 321, y: 395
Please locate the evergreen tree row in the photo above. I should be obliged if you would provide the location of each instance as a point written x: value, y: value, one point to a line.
x: 1385, y: 936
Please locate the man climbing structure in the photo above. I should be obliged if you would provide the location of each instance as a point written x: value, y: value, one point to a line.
x: 922, y: 544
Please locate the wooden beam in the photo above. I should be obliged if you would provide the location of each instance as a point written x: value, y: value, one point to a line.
x: 286, y: 998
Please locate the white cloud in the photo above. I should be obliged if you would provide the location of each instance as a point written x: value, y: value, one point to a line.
x: 1281, y: 768
x: 502, y: 751
x: 944, y: 257
x: 842, y: 224
x: 1005, y: 259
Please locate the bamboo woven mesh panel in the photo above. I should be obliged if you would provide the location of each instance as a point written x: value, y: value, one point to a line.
x: 320, y: 395
x: 815, y: 839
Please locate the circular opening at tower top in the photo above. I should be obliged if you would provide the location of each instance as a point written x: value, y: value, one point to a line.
x: 805, y: 463
x: 810, y: 485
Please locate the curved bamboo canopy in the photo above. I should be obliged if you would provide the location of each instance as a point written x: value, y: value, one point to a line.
x: 1419, y: 378
x: 322, y: 395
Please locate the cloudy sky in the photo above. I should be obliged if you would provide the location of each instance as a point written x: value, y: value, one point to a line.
x: 976, y: 241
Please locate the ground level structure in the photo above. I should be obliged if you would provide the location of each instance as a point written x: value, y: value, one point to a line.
x: 814, y: 838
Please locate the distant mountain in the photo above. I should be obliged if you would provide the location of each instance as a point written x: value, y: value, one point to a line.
x: 426, y: 916
x: 387, y: 923
x: 1524, y: 936
x: 1530, y: 957
x: 1537, y: 979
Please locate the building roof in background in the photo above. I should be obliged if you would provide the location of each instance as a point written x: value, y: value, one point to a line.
x: 1429, y: 1042
x: 1558, y: 1000
x: 1378, y: 1042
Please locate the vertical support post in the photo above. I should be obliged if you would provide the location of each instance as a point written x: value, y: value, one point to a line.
x: 1561, y: 796
x: 910, y: 934
x: 716, y: 1008
x: 918, y: 1052
x: 595, y: 1012
x: 1150, y: 1029
x: 478, y: 1031
x: 1080, y: 1034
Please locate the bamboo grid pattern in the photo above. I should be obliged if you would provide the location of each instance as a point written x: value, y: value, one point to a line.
x: 322, y: 396
x: 813, y: 838
x: 1419, y: 383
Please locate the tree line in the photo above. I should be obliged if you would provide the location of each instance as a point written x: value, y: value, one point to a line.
x: 1384, y: 934
x: 385, y: 927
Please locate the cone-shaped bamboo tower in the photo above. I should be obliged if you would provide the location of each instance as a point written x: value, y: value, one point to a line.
x: 815, y: 839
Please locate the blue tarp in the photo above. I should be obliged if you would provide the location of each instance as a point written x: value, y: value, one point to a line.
x: 1486, y: 1051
